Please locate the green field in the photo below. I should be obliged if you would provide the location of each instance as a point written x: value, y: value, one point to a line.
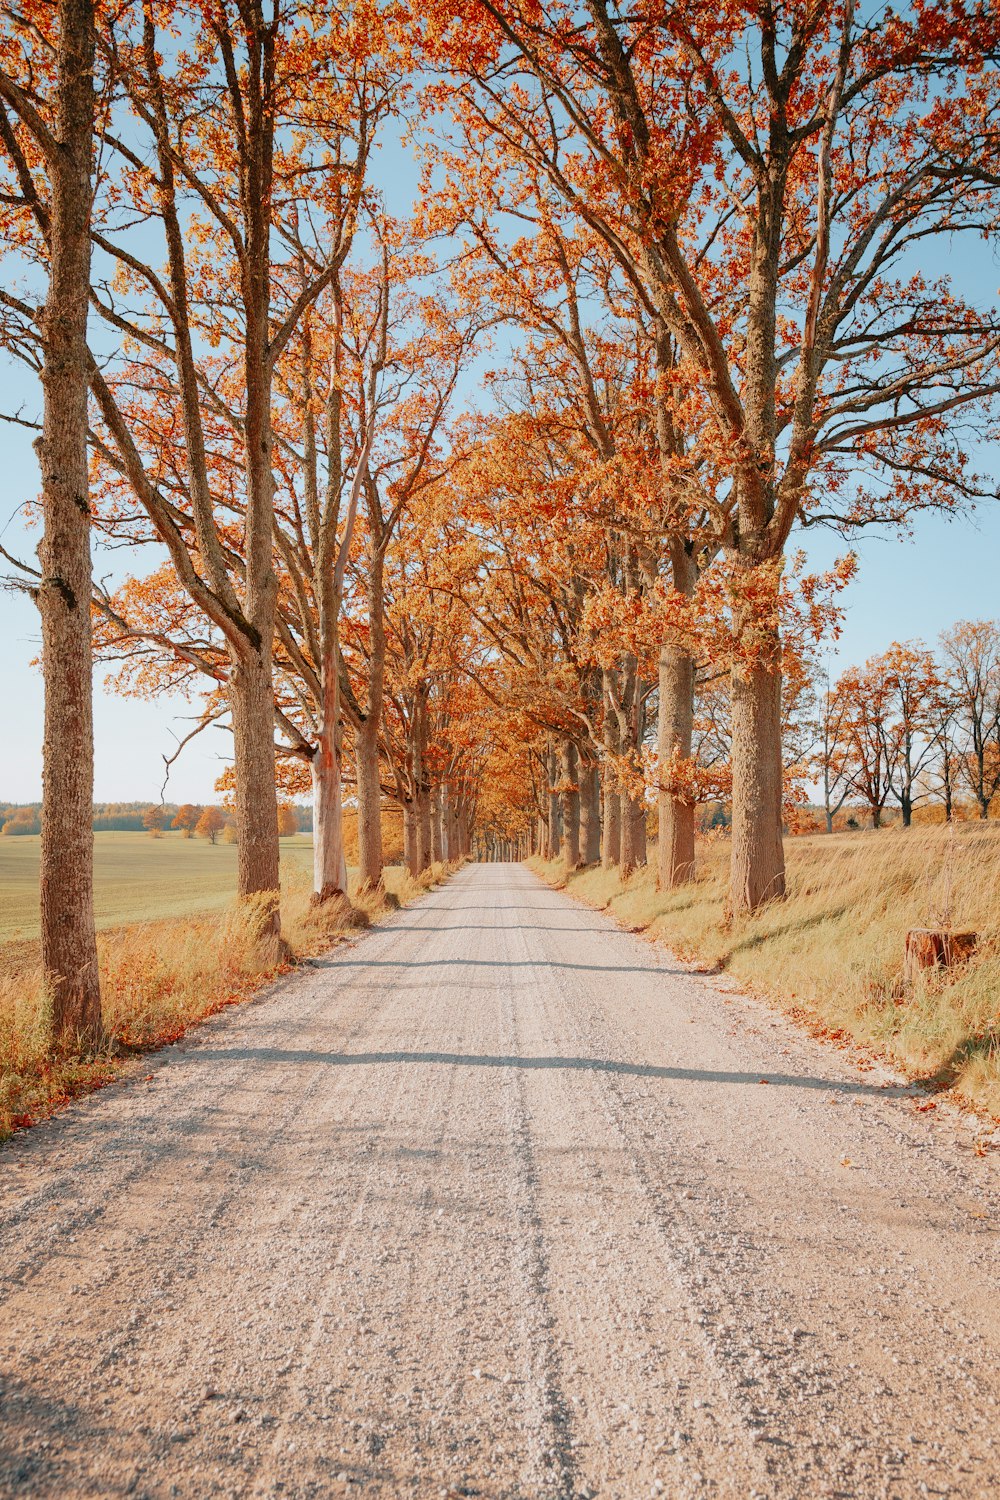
x: 136, y: 878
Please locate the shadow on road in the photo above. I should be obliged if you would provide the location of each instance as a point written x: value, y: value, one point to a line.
x: 571, y: 1064
x: 499, y: 965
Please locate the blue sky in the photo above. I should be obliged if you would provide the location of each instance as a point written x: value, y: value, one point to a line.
x: 906, y: 588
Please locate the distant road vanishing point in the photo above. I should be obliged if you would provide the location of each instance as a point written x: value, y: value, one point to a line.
x: 495, y: 1202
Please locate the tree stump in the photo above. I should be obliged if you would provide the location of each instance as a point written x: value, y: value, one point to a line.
x: 934, y: 948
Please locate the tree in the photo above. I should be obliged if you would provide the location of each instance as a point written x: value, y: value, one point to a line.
x: 61, y: 131
x: 288, y: 823
x: 971, y: 651
x: 873, y: 735
x: 186, y: 818
x: 210, y: 824
x: 916, y: 695
x: 154, y: 821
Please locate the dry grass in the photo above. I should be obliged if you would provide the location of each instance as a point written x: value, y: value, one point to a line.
x: 157, y: 979
x: 832, y: 952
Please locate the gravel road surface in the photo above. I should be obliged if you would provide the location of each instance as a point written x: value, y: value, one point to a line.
x: 500, y: 1202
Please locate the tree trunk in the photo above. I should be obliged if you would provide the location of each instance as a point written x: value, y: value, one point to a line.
x: 639, y: 838
x: 329, y: 863
x: 69, y: 949
x: 611, y: 845
x: 446, y: 849
x: 674, y: 735
x: 570, y: 805
x: 251, y: 680
x: 371, y: 856
x: 251, y: 701
x: 555, y: 832
x: 757, y: 866
x: 611, y: 832
x: 463, y: 828
x: 437, y: 836
x: 590, y: 813
x: 424, y: 834
x: 371, y: 860
x: 410, y: 851
x: 632, y: 816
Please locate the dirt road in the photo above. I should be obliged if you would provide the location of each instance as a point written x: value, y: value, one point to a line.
x: 496, y: 1202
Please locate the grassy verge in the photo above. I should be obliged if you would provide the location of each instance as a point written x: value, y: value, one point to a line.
x: 158, y: 978
x: 832, y: 952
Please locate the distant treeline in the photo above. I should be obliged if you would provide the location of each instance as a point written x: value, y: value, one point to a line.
x: 110, y: 817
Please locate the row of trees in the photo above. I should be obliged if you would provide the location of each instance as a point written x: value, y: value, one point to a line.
x: 700, y: 232
x: 912, y: 727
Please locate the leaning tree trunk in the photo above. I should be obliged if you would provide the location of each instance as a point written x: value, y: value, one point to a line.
x: 757, y: 866
x: 570, y: 805
x: 371, y: 860
x: 69, y: 949
x: 437, y: 835
x: 674, y: 735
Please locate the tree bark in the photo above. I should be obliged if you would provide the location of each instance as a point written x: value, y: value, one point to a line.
x: 424, y: 827
x: 446, y: 834
x: 371, y: 861
x: 632, y: 817
x: 590, y: 813
x: 371, y: 856
x: 251, y: 684
x: 555, y: 832
x: 329, y: 863
x: 410, y: 852
x: 570, y: 805
x: 69, y: 948
x: 437, y: 836
x: 757, y: 868
x: 675, y: 731
x: 251, y: 701
x: 611, y: 831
